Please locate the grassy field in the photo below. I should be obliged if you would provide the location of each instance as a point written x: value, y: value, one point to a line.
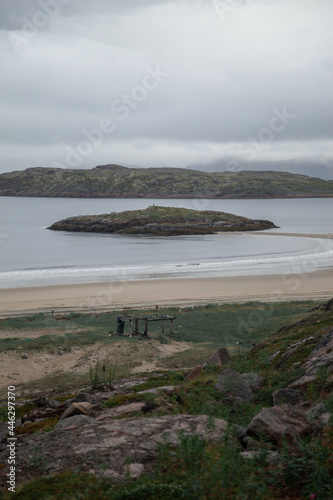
x: 237, y: 326
x: 197, y: 333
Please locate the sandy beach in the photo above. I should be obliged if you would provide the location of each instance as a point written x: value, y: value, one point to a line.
x: 178, y: 292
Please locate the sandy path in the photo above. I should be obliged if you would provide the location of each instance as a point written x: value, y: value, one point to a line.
x: 145, y: 355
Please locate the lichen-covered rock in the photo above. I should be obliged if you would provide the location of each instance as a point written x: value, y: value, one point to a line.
x: 320, y: 358
x: 279, y: 423
x: 74, y: 422
x: 319, y: 416
x: 287, y: 396
x: 111, y: 444
x: 221, y: 358
x: 253, y: 380
x: 231, y: 385
x: 195, y: 373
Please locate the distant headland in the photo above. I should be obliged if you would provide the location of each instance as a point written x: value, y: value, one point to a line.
x: 115, y: 181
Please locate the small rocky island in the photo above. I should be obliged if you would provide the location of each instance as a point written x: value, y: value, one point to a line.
x: 161, y: 221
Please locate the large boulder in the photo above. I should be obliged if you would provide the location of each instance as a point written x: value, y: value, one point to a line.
x: 319, y: 416
x: 279, y: 423
x: 253, y: 380
x: 231, y: 385
x: 287, y: 396
x: 221, y: 358
x: 195, y: 373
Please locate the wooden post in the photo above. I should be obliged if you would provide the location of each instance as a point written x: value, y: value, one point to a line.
x: 136, y: 326
x: 130, y: 327
x: 146, y: 330
x: 171, y: 326
x: 163, y: 326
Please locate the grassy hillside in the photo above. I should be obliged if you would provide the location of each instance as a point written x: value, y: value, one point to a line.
x: 114, y: 181
x: 206, y: 463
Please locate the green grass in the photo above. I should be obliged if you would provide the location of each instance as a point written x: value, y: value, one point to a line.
x: 164, y: 378
x: 238, y: 326
x: 66, y: 486
x: 127, y: 399
x: 47, y: 425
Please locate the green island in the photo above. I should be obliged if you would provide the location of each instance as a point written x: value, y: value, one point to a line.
x: 161, y: 221
x: 116, y: 181
x: 236, y: 403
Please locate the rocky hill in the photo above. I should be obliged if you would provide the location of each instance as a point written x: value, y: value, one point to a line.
x: 161, y: 221
x: 115, y: 181
x: 257, y: 425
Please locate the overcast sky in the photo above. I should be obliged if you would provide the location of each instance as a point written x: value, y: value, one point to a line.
x: 165, y: 83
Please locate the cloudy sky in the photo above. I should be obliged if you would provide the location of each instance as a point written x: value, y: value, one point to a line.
x: 226, y: 83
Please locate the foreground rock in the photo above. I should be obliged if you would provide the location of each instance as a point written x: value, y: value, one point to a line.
x: 77, y: 443
x: 220, y: 358
x: 279, y: 423
x: 83, y: 408
x: 287, y: 396
x: 161, y: 221
x: 232, y: 385
x: 321, y: 358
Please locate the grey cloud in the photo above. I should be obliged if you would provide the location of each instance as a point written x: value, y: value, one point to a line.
x: 225, y: 79
x: 12, y: 12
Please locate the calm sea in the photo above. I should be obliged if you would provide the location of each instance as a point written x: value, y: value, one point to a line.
x: 31, y: 255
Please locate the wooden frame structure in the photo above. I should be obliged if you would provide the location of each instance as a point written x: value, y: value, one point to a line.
x: 134, y: 330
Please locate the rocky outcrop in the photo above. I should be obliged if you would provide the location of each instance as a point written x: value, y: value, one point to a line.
x: 161, y: 221
x: 254, y: 381
x: 321, y: 358
x: 287, y: 396
x: 195, y: 373
x: 220, y: 358
x: 231, y: 385
x: 85, y: 445
x: 279, y: 423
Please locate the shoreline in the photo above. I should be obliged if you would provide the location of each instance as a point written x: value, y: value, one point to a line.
x: 267, y: 232
x: 178, y: 292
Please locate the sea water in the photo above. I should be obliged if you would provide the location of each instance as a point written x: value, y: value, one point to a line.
x: 32, y: 255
